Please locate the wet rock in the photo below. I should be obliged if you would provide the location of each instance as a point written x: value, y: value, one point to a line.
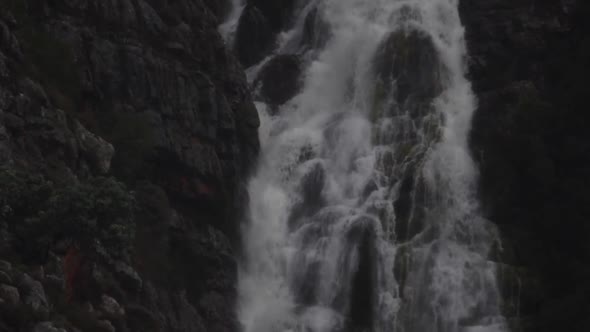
x: 280, y: 79
x: 311, y: 189
x: 402, y: 265
x: 220, y: 8
x: 278, y: 12
x: 362, y: 295
x: 316, y: 31
x: 409, y: 207
x: 10, y: 294
x: 312, y: 184
x: 254, y: 37
x: 407, y: 64
x: 306, y: 284
x: 258, y: 28
x: 520, y: 288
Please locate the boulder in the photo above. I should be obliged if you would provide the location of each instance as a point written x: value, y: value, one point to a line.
x: 280, y: 79
x: 407, y: 66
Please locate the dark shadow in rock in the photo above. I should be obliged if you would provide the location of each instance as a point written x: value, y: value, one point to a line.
x: 278, y: 12
x: 316, y: 31
x: 280, y: 79
x: 407, y: 66
x: 362, y: 297
x: 311, y: 187
x: 254, y: 37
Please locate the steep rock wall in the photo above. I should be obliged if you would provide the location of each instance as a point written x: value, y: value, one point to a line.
x: 528, y: 63
x: 145, y: 93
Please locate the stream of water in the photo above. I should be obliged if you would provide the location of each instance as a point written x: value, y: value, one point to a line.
x: 363, y: 212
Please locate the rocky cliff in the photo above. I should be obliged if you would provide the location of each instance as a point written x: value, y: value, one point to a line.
x: 528, y: 64
x: 127, y: 132
x: 126, y: 135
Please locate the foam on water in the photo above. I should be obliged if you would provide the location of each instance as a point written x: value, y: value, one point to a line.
x: 322, y: 217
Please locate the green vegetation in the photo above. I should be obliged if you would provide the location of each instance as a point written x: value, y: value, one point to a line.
x: 98, y: 213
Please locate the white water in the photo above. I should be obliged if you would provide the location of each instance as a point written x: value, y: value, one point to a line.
x: 228, y: 28
x: 332, y: 165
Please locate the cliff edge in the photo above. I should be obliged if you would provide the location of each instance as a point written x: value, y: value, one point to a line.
x: 127, y: 132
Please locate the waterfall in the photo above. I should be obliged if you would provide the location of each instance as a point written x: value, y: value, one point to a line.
x: 363, y: 213
x: 228, y: 28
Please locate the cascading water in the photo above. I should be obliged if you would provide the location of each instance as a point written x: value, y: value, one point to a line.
x: 228, y: 28
x: 363, y: 214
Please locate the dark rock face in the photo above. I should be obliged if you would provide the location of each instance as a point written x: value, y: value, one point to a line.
x: 407, y: 62
x: 254, y: 37
x: 258, y: 28
x: 146, y: 92
x: 408, y: 74
x: 277, y: 12
x: 528, y: 63
x: 362, y: 298
x: 280, y: 79
x: 316, y: 31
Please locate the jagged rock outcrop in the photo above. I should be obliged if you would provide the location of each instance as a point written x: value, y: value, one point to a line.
x: 280, y: 79
x: 259, y: 26
x: 528, y: 63
x: 145, y: 93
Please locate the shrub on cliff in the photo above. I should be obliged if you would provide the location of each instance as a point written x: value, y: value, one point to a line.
x: 96, y: 214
